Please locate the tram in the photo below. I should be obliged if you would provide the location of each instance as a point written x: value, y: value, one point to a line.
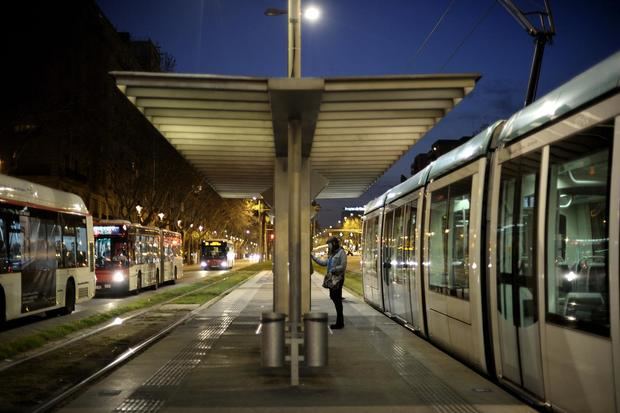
x: 505, y: 251
x: 46, y: 250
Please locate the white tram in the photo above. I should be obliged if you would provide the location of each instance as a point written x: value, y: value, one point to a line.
x: 505, y: 251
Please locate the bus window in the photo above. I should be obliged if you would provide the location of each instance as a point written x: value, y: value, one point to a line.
x: 16, y: 243
x: 4, y: 263
x: 82, y: 246
x: 68, y: 246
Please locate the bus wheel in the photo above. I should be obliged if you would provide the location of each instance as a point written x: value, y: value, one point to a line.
x: 2, y: 308
x: 157, y: 280
x: 69, y: 298
x: 139, y: 286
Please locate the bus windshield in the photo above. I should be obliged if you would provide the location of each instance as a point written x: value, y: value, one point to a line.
x: 214, y: 251
x: 111, y: 252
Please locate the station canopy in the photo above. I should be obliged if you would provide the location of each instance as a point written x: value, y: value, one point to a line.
x: 353, y: 129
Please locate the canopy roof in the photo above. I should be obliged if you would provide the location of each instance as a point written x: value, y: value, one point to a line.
x: 353, y: 129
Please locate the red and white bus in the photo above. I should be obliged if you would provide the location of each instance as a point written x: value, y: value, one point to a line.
x: 46, y: 250
x: 130, y: 257
x: 172, y: 256
x: 216, y: 254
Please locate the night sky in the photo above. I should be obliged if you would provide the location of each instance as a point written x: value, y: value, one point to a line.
x: 373, y: 38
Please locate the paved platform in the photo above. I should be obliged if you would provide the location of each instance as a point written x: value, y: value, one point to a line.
x: 212, y: 364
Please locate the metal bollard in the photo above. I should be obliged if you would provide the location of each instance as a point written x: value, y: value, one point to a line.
x: 315, y: 339
x: 272, y: 345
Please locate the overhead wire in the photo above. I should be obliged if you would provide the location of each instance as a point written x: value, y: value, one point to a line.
x: 473, y: 29
x: 417, y: 53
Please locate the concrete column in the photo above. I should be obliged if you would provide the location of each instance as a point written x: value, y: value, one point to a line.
x: 280, y: 251
x: 280, y: 258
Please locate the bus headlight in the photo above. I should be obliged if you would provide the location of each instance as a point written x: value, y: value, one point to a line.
x: 118, y: 277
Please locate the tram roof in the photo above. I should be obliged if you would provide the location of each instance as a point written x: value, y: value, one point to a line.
x: 415, y: 182
x: 463, y: 154
x: 596, y: 81
x: 233, y: 128
x: 375, y: 204
x: 25, y: 192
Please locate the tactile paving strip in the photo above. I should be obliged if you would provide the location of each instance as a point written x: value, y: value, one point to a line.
x: 422, y: 381
x: 149, y: 398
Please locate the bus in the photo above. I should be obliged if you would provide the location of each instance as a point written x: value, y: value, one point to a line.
x: 216, y: 254
x: 46, y: 250
x: 172, y: 256
x: 130, y: 257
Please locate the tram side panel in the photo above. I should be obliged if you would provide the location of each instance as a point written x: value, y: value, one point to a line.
x: 452, y: 225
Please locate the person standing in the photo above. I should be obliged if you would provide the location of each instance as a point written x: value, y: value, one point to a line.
x: 336, y: 264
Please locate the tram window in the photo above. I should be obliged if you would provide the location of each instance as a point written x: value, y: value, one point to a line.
x: 448, y: 239
x: 369, y: 249
x: 410, y: 236
x: 578, y: 243
x: 398, y: 243
x: 516, y: 239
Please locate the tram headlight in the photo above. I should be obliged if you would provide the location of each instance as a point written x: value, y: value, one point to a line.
x: 118, y: 277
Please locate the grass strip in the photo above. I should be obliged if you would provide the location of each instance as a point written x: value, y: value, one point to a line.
x: 222, y: 283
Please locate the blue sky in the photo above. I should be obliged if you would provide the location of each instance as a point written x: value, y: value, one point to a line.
x: 371, y: 37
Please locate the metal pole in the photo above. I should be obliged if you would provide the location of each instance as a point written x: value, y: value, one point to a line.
x: 294, y: 238
x: 532, y: 86
x: 294, y: 39
x: 294, y: 186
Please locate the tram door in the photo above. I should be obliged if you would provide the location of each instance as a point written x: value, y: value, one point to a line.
x: 517, y: 295
x: 387, y: 257
x: 400, y: 299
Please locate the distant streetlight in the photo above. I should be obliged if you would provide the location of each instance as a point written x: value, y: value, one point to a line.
x: 161, y: 216
x: 139, y: 209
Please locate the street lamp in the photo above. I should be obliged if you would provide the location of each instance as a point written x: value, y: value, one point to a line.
x: 312, y: 13
x: 139, y: 209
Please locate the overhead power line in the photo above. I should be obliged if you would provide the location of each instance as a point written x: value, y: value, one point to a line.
x: 473, y: 29
x: 417, y: 53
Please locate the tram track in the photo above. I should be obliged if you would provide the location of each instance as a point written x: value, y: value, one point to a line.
x: 97, y: 330
x: 43, y: 381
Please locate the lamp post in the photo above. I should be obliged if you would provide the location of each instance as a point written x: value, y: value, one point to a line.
x: 139, y: 210
x: 294, y: 172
